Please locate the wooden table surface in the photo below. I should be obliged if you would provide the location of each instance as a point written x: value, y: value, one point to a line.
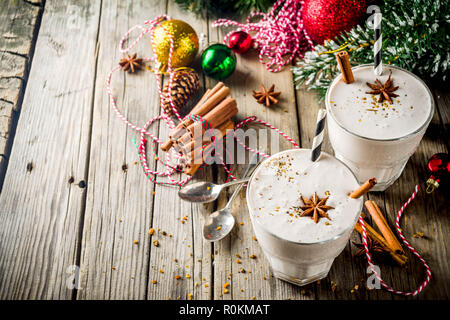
x: 69, y: 212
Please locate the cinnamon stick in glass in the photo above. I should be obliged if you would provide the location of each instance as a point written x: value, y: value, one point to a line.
x: 345, y: 67
x: 364, y: 188
x: 383, y: 226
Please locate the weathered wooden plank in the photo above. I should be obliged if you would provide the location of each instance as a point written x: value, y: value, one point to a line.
x: 12, y: 72
x: 192, y: 253
x: 10, y: 89
x: 17, y: 25
x: 120, y: 198
x: 308, y: 106
x: 442, y: 99
x: 41, y: 211
x: 6, y: 110
x: 256, y: 282
x: 12, y: 66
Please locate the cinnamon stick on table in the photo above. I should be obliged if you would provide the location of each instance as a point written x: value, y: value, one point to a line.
x: 344, y: 64
x: 363, y: 189
x: 383, y: 226
x: 400, y: 259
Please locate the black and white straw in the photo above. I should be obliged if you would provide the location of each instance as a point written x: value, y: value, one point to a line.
x: 318, y: 136
x: 378, y: 66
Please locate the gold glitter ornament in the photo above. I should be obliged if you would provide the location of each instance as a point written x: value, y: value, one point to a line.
x: 185, y: 43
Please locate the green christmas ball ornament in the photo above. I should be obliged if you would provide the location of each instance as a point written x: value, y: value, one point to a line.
x: 218, y: 61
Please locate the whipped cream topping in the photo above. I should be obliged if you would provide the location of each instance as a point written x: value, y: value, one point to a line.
x: 362, y: 114
x: 278, y: 184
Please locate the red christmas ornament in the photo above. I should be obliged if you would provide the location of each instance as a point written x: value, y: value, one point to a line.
x: 239, y: 42
x: 326, y: 19
x: 439, y: 167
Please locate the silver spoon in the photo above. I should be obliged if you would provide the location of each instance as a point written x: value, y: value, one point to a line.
x: 204, y: 191
x: 220, y: 223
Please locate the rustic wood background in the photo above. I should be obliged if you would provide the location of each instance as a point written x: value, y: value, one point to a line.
x: 70, y: 211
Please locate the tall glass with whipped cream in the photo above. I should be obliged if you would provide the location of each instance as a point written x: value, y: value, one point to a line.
x: 301, y: 212
x: 376, y: 123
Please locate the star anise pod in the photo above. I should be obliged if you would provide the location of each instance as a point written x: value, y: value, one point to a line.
x: 130, y: 64
x: 315, y: 207
x: 267, y: 97
x: 374, y: 247
x: 385, y: 91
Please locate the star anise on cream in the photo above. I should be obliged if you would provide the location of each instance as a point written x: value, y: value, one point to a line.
x: 130, y: 63
x: 267, y: 97
x: 374, y: 247
x: 386, y: 90
x: 315, y: 207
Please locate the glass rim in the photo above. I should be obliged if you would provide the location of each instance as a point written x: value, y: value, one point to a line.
x: 411, y: 134
x: 249, y: 207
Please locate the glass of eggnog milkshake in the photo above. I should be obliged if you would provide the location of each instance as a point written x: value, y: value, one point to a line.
x: 301, y: 212
x: 375, y: 132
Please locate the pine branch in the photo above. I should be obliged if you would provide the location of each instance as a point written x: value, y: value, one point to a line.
x: 416, y: 36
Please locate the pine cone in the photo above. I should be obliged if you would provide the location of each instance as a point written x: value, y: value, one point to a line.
x: 185, y: 83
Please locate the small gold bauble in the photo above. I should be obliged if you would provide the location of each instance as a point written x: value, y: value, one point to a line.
x: 185, y: 43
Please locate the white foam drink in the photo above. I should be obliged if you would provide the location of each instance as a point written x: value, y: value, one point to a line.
x: 376, y: 139
x: 299, y: 249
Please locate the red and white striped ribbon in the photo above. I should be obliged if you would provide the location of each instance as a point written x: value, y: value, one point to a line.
x: 399, y: 230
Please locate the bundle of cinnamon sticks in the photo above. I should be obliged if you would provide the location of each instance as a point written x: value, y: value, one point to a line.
x: 387, y: 239
x: 216, y: 107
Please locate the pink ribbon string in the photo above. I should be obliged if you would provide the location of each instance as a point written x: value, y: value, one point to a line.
x: 279, y: 35
x: 411, y: 248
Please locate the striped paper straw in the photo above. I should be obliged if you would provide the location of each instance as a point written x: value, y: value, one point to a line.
x: 318, y: 136
x: 378, y: 66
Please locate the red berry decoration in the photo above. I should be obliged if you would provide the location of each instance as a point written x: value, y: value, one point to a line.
x: 326, y: 19
x: 239, y: 42
x: 439, y: 167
